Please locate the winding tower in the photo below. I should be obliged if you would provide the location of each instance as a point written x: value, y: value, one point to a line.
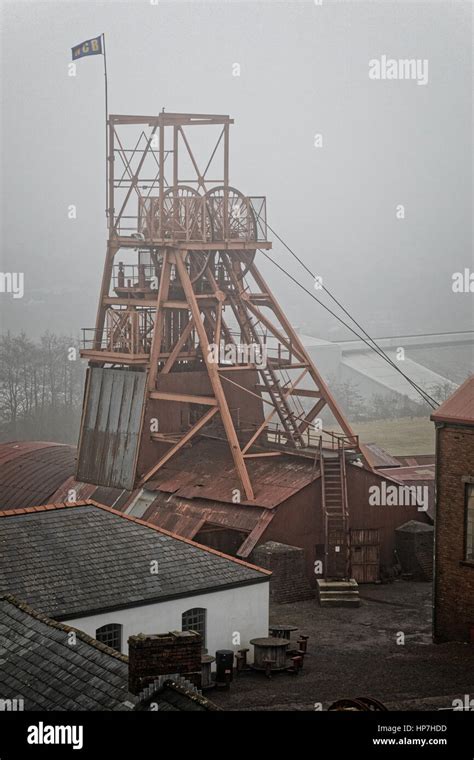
x: 189, y: 340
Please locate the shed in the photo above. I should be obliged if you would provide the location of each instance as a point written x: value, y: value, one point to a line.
x: 415, y: 546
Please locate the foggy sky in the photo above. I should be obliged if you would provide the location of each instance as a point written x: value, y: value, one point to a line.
x: 304, y: 70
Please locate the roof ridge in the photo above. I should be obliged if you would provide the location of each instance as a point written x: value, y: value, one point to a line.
x: 43, y: 508
x: 25, y: 607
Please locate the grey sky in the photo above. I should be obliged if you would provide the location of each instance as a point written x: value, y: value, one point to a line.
x: 304, y: 70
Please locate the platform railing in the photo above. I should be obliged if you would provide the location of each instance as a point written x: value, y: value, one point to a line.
x: 197, y: 219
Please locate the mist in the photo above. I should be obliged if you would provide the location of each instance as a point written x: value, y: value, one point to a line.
x: 303, y: 72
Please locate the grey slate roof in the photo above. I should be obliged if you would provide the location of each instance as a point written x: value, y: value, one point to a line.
x: 79, y: 559
x: 41, y: 667
x: 38, y: 665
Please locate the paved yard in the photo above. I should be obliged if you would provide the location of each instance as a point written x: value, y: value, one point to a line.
x: 354, y: 652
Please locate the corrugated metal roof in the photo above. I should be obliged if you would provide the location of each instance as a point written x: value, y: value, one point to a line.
x: 420, y: 475
x: 82, y: 490
x: 111, y: 497
x: 111, y: 427
x: 206, y: 470
x: 458, y: 408
x: 416, y: 460
x: 418, y: 472
x: 186, y: 518
x: 31, y: 471
x: 379, y: 457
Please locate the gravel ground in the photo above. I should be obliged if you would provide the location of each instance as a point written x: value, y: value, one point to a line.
x: 354, y: 652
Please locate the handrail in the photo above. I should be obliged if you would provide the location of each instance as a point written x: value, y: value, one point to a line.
x: 312, y: 437
x: 345, y: 506
x: 323, y: 504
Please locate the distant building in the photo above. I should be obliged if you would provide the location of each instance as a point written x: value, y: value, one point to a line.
x: 454, y: 536
x: 39, y: 672
x: 114, y: 576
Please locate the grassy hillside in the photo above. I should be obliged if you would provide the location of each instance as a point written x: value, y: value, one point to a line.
x: 404, y: 436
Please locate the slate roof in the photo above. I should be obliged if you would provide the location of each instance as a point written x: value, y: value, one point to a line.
x: 40, y: 666
x: 78, y: 559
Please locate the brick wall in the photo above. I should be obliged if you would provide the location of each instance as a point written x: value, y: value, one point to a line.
x: 287, y: 563
x: 162, y: 654
x: 454, y: 581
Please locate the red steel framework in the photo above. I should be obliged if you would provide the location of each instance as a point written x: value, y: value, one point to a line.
x: 181, y: 294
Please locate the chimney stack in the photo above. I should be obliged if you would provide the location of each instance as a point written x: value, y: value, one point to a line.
x: 163, y: 654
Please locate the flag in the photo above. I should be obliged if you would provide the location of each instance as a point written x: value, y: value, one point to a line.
x: 89, y: 47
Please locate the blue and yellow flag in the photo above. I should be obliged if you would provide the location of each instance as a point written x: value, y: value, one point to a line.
x: 89, y: 47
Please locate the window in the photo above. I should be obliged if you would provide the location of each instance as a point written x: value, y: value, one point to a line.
x: 111, y: 635
x: 469, y: 548
x: 195, y: 620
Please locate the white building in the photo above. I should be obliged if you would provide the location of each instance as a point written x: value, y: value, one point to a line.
x: 111, y: 576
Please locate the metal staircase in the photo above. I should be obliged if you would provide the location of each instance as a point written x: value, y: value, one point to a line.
x: 337, y: 589
x: 288, y: 419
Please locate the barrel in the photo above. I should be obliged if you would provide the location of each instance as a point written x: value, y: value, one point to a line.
x: 224, y: 665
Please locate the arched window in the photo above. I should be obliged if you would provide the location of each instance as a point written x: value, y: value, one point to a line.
x: 110, y: 634
x: 195, y: 620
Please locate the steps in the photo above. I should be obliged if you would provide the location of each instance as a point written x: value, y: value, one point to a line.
x: 334, y: 501
x: 287, y: 417
x: 333, y: 492
x: 338, y: 593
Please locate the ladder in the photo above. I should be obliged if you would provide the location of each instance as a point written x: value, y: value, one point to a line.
x: 288, y: 419
x: 335, y: 510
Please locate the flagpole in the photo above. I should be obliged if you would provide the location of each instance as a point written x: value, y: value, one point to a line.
x: 106, y: 131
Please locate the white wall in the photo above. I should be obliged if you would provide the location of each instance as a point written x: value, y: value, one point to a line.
x: 231, y: 613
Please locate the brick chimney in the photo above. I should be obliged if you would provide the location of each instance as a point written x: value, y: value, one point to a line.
x: 163, y: 654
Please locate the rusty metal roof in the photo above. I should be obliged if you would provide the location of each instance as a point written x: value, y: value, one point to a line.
x: 111, y: 497
x: 419, y: 475
x: 425, y: 472
x: 416, y: 460
x: 379, y: 457
x: 31, y: 471
x: 458, y: 408
x: 186, y: 518
x: 206, y: 470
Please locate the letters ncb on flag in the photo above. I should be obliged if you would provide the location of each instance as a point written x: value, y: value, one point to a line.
x: 89, y: 47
